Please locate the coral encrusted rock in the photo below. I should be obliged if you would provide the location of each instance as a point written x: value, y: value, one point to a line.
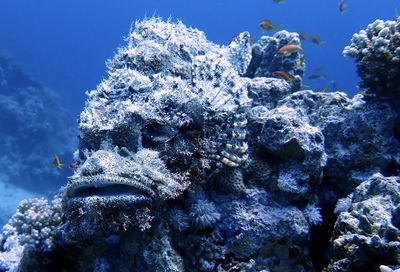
x: 368, y: 234
x: 191, y: 157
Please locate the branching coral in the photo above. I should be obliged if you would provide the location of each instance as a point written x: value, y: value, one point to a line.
x: 377, y: 53
x: 29, y: 232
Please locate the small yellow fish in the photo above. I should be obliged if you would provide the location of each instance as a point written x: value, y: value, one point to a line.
x: 284, y: 75
x: 56, y: 162
x: 323, y: 90
x: 304, y: 86
x: 266, y: 25
x: 289, y: 49
x: 342, y: 6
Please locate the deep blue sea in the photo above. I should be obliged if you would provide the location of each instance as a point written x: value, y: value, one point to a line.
x: 64, y: 44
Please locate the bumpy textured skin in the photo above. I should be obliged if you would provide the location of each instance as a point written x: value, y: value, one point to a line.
x: 34, y: 126
x: 191, y: 158
x: 377, y: 53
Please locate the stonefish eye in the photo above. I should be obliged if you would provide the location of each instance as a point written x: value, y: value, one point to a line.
x: 155, y: 134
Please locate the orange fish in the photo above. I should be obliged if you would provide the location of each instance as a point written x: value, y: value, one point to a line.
x: 304, y: 86
x: 267, y: 25
x: 289, y: 49
x: 323, y: 90
x: 56, y: 162
x: 284, y: 75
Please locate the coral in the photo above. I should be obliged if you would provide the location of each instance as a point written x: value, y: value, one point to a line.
x: 312, y: 214
x: 287, y: 135
x: 203, y: 214
x: 252, y: 225
x: 260, y: 172
x: 377, y: 54
x: 230, y: 181
x: 178, y: 219
x: 11, y: 255
x: 30, y: 232
x: 192, y: 158
x: 369, y: 228
x: 34, y: 223
x: 266, y: 58
x: 101, y: 265
x: 160, y: 255
x: 358, y: 136
x: 267, y: 91
x: 343, y: 204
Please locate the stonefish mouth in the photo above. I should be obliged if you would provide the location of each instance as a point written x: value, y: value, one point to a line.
x: 108, y: 187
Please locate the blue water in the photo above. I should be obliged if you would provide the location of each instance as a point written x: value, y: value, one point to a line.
x: 64, y: 44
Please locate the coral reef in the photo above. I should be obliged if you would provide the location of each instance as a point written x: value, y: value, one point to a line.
x: 377, y: 54
x: 367, y: 235
x: 34, y: 126
x: 30, y: 232
x: 192, y: 157
x: 267, y: 59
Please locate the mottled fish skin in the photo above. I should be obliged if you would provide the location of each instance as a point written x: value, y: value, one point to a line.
x: 138, y: 142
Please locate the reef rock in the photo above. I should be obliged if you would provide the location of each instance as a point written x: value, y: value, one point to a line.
x: 266, y: 58
x: 366, y: 235
x: 192, y: 158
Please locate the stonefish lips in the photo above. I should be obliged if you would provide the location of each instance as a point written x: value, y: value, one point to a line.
x: 108, y: 187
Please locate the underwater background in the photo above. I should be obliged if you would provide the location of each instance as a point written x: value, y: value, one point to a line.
x: 59, y: 48
x: 213, y: 136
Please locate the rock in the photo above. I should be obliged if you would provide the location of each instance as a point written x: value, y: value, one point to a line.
x: 367, y: 235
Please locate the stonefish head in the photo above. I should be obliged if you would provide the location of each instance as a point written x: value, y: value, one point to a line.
x: 169, y: 114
